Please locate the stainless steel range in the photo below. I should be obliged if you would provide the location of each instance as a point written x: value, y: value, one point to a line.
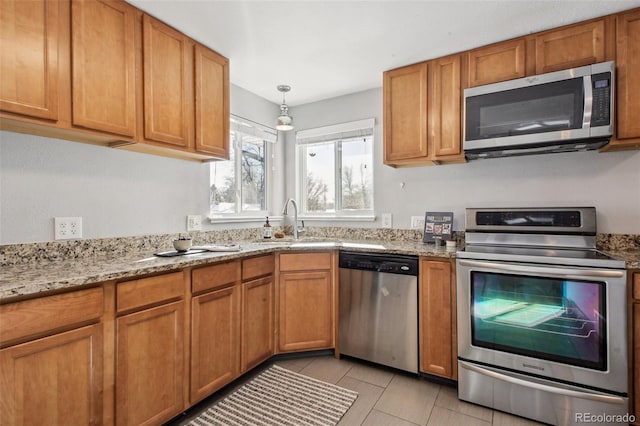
x: 542, y: 325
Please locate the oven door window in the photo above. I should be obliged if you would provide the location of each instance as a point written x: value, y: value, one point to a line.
x: 546, y: 318
x: 536, y: 109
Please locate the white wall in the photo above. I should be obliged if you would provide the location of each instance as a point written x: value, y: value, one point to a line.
x: 608, y: 181
x: 117, y: 193
x: 120, y: 193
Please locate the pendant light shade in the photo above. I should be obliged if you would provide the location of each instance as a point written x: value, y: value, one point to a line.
x: 285, y: 121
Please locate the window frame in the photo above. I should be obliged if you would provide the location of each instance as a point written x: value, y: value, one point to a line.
x: 241, y: 215
x: 301, y: 171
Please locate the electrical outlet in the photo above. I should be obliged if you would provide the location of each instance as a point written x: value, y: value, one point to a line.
x: 194, y: 222
x: 417, y: 222
x: 67, y: 228
x: 387, y: 219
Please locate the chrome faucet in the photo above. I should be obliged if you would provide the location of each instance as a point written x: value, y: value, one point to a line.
x: 296, y: 231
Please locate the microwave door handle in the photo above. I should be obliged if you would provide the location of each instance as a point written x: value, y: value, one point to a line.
x: 588, y: 101
x: 554, y: 271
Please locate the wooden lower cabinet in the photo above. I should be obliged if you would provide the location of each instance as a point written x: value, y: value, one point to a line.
x: 150, y: 365
x: 437, y: 313
x: 215, y: 341
x: 54, y: 380
x: 634, y: 343
x: 258, y: 325
x: 306, y: 300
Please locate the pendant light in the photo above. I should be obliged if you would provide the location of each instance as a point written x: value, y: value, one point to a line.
x: 285, y: 121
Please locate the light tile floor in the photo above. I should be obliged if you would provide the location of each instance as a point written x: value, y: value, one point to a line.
x: 387, y: 397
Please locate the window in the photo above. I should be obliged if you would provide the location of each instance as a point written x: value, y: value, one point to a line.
x: 238, y: 187
x: 335, y: 170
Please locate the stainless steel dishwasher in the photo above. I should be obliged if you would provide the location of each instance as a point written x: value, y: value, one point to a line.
x: 378, y: 319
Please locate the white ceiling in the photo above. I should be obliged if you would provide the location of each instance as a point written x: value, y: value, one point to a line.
x: 329, y: 48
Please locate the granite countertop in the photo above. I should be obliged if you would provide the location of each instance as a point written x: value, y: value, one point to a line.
x: 631, y: 257
x: 30, y: 278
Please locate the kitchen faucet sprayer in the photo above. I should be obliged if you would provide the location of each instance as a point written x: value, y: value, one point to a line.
x: 296, y: 230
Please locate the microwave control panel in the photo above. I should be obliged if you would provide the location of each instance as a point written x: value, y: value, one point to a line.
x: 601, y: 106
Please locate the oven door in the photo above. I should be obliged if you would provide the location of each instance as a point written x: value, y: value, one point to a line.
x: 563, y: 323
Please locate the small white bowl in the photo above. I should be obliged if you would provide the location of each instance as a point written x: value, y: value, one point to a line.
x: 182, y: 245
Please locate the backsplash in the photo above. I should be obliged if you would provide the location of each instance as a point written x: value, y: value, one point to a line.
x: 11, y: 254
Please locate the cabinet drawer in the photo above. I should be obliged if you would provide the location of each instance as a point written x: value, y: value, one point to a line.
x: 257, y: 266
x: 636, y: 286
x: 305, y: 261
x: 149, y: 291
x: 34, y: 317
x: 215, y: 276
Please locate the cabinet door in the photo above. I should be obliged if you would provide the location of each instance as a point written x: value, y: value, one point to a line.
x: 405, y: 114
x: 55, y: 380
x: 305, y: 311
x: 570, y: 47
x: 628, y: 75
x: 167, y: 77
x: 257, y: 322
x: 498, y: 62
x: 436, y: 346
x: 215, y: 341
x: 103, y: 68
x: 212, y: 102
x: 445, y: 110
x: 635, y: 359
x: 29, y: 36
x: 150, y: 363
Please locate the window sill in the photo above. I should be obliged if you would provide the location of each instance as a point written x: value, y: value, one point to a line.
x: 240, y: 219
x: 338, y: 218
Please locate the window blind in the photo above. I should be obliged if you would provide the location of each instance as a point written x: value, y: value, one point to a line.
x: 251, y: 128
x: 350, y: 130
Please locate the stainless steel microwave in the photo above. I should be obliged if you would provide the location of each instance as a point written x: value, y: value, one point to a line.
x: 570, y: 110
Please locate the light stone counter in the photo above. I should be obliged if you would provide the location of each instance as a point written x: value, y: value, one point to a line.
x: 27, y: 279
x: 27, y: 270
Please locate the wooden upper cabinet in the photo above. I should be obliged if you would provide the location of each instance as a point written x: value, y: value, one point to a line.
x: 405, y: 114
x: 498, y: 62
x: 29, y: 37
x: 168, y: 70
x: 103, y: 66
x: 212, y: 102
x: 445, y: 108
x: 569, y: 47
x: 628, y: 75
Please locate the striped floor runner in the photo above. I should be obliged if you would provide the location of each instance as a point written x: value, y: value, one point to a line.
x: 280, y: 397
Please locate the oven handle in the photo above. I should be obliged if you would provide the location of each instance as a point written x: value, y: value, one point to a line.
x: 542, y: 387
x: 562, y: 272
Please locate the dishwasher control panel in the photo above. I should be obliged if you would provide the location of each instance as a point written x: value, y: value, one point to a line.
x: 388, y: 263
